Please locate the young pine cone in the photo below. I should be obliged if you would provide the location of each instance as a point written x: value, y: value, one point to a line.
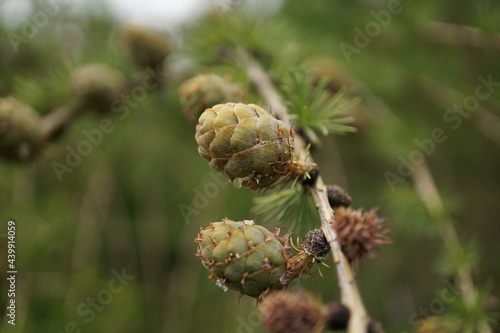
x: 20, y: 137
x: 243, y: 256
x: 97, y: 85
x: 147, y: 47
x: 245, y: 143
x: 252, y: 260
x: 206, y: 90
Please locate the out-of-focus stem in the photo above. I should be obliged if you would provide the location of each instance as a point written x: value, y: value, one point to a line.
x: 57, y: 119
x: 485, y: 121
x: 428, y: 193
x: 461, y: 35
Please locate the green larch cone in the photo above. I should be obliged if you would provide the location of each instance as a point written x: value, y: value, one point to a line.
x: 97, y: 85
x: 20, y: 137
x: 245, y: 143
x: 204, y: 91
x: 147, y: 47
x: 243, y: 256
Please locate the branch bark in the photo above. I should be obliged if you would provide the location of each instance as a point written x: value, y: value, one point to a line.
x: 359, y: 321
x: 56, y: 120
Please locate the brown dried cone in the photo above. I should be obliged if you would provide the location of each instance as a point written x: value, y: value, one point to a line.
x: 97, y: 85
x: 206, y: 90
x: 312, y: 176
x: 301, y: 312
x: 359, y: 233
x: 338, y: 316
x: 147, y: 47
x: 245, y: 143
x: 338, y: 197
x: 314, y: 249
x: 316, y: 245
x: 292, y: 312
x: 20, y: 136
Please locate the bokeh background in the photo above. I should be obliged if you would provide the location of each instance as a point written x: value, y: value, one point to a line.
x: 121, y: 209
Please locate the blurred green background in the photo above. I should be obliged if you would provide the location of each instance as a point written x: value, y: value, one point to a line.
x: 120, y: 209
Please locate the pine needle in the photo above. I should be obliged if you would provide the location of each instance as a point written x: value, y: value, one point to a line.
x: 291, y: 206
x: 315, y: 109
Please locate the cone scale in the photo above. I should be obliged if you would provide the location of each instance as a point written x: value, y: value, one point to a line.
x: 243, y: 256
x: 245, y: 143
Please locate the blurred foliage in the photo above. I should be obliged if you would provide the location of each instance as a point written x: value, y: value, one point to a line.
x: 124, y: 205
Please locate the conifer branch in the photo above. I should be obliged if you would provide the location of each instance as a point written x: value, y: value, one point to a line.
x: 350, y: 296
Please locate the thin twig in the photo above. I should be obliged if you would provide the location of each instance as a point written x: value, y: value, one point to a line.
x: 359, y: 319
x: 428, y: 193
x: 57, y: 119
x: 485, y: 121
x: 54, y: 122
x: 462, y: 35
